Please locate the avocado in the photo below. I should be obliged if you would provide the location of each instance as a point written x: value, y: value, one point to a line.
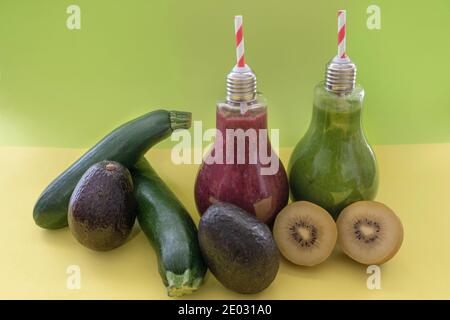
x: 102, y: 208
x: 238, y: 248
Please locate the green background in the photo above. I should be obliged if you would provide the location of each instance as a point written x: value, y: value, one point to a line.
x: 68, y: 88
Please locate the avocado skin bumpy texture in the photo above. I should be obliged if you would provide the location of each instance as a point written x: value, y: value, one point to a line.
x: 238, y: 248
x: 102, y: 208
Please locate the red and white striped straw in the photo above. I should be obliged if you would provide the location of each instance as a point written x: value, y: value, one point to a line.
x: 239, y: 41
x: 341, y: 34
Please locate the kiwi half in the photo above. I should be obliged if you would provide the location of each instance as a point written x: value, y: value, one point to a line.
x: 369, y: 232
x: 305, y: 233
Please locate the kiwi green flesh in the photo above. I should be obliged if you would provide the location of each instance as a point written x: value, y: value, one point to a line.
x: 369, y: 232
x: 305, y: 233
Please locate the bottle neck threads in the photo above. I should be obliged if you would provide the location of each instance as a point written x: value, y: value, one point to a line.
x: 340, y: 76
x: 241, y: 85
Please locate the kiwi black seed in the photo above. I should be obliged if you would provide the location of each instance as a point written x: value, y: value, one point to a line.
x: 366, y: 230
x: 304, y: 233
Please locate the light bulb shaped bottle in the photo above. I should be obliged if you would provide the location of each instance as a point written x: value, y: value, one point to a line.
x: 333, y: 165
x: 242, y: 168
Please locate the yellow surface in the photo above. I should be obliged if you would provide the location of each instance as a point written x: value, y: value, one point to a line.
x: 415, y: 182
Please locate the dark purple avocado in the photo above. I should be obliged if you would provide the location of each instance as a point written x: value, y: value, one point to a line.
x: 238, y: 248
x: 102, y: 208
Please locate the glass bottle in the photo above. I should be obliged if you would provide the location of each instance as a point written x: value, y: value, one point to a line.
x: 333, y: 165
x: 244, y: 177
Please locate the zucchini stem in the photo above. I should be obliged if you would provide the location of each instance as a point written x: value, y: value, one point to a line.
x: 180, y: 119
x: 181, y: 284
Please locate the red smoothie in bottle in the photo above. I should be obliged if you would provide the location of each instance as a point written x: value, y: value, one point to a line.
x: 243, y: 178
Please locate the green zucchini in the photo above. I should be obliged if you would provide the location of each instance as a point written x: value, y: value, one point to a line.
x: 125, y: 145
x: 170, y: 230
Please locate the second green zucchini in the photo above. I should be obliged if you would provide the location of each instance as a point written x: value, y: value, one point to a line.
x: 170, y: 229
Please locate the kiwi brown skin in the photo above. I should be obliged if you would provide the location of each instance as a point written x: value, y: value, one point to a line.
x: 102, y: 209
x: 373, y: 206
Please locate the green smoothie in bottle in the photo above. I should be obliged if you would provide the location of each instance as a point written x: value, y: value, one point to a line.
x: 333, y: 165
